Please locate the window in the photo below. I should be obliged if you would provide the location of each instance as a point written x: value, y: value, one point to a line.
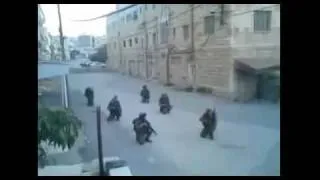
x: 154, y: 38
x: 164, y: 32
x: 146, y: 7
x: 209, y: 24
x: 140, y: 10
x: 141, y: 42
x: 136, y: 40
x: 153, y: 6
x: 129, y: 17
x: 130, y: 42
x: 186, y: 32
x: 115, y: 45
x: 147, y: 39
x: 262, y: 20
x: 174, y: 32
x: 124, y: 43
x: 222, y: 14
x: 135, y: 15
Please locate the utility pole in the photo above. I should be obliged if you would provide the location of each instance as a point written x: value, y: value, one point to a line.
x: 193, y: 66
x: 100, y: 148
x: 192, y: 33
x: 120, y: 49
x: 61, y: 34
x: 146, y: 50
x: 146, y: 47
x: 169, y: 49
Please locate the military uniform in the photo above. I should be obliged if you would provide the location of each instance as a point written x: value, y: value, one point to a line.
x: 114, y: 108
x: 89, y: 94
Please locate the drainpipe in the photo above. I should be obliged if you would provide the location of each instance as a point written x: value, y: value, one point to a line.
x: 194, y: 67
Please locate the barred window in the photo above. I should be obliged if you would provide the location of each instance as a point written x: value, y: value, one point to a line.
x: 186, y: 32
x: 130, y: 42
x: 209, y: 22
x: 262, y: 20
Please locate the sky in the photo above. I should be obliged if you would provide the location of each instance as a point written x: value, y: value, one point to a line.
x: 71, y: 12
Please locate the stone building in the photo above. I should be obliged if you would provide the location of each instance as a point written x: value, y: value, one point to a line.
x: 43, y: 37
x: 233, y: 50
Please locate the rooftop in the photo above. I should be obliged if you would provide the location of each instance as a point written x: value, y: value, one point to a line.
x: 120, y: 10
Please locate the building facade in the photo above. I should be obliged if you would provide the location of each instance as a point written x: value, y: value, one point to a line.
x: 229, y: 49
x: 120, y: 6
x: 56, y: 50
x: 100, y: 41
x: 85, y: 41
x: 43, y: 37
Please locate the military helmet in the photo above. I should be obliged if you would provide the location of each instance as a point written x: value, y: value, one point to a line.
x: 142, y: 115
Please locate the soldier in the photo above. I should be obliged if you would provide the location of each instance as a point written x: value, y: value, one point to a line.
x: 209, y: 122
x: 164, y: 104
x: 89, y: 94
x: 142, y: 128
x: 145, y: 94
x: 114, y: 108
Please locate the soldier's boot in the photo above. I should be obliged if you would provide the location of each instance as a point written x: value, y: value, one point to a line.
x: 203, y: 133
x: 148, y: 138
x: 211, y: 135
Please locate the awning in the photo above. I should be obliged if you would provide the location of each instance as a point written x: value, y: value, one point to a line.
x: 256, y: 65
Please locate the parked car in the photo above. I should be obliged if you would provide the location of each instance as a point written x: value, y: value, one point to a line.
x: 85, y: 64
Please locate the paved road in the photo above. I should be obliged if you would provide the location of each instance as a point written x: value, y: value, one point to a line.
x: 245, y: 134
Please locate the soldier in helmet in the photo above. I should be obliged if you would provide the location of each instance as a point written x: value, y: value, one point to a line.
x: 89, y: 94
x: 142, y: 128
x: 114, y: 108
x: 164, y: 104
x: 145, y: 94
x: 209, y: 122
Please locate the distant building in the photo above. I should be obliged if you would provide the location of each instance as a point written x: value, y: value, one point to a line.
x: 99, y: 41
x: 85, y: 41
x: 57, y: 50
x: 43, y: 37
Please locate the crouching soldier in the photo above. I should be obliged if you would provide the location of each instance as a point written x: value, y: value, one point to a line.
x: 145, y: 94
x: 209, y: 122
x: 114, y: 108
x: 142, y: 128
x: 89, y: 94
x: 164, y: 104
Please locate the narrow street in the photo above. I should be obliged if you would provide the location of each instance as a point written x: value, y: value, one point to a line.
x: 246, y: 135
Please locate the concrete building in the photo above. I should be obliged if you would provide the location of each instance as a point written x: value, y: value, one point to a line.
x: 99, y: 41
x: 43, y: 37
x: 120, y: 6
x: 232, y: 50
x: 85, y: 41
x: 57, y: 50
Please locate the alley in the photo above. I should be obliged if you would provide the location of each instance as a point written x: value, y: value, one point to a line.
x: 246, y: 132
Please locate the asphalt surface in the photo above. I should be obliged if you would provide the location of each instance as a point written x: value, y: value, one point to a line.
x: 177, y: 150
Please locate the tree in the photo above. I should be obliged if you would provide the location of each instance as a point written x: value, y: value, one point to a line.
x: 58, y: 127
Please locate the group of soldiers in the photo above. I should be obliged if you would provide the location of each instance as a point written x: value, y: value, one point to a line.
x: 141, y: 126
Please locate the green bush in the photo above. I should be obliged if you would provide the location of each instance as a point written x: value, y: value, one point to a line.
x: 59, y: 127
